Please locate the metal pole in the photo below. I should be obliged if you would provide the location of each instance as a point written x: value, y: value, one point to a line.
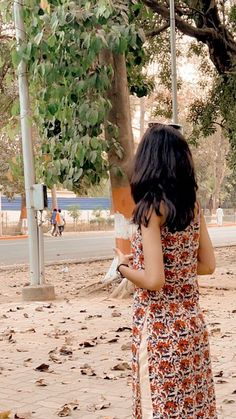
x: 27, y: 149
x: 173, y: 63
x: 0, y: 211
x: 41, y: 249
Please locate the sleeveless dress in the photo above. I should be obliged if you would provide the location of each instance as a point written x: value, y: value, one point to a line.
x: 172, y: 376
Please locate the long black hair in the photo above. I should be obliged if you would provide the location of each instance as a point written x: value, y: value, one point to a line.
x: 163, y: 173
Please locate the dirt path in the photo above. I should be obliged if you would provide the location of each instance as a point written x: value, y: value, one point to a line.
x: 72, y: 356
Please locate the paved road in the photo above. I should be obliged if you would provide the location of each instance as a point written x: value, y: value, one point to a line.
x: 85, y: 245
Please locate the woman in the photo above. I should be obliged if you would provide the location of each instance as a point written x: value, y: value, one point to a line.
x: 171, y: 360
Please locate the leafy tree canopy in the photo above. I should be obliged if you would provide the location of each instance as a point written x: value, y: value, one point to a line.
x: 69, y: 83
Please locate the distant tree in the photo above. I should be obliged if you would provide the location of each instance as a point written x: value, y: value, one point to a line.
x: 75, y: 213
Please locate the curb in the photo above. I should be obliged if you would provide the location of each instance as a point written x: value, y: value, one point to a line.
x: 224, y: 225
x: 22, y: 236
x: 67, y: 234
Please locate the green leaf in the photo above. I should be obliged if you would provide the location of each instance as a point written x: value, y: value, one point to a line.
x: 15, y: 110
x: 78, y: 174
x: 93, y: 156
x: 16, y: 58
x: 94, y: 143
x: 93, y: 117
x: 38, y: 38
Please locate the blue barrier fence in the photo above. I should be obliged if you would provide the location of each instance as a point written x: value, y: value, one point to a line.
x: 63, y: 203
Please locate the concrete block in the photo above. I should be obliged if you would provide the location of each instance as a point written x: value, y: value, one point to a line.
x: 38, y: 293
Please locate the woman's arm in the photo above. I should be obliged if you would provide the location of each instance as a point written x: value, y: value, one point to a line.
x: 153, y: 276
x: 206, y: 258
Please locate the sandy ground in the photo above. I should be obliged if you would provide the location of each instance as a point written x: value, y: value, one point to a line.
x: 72, y: 356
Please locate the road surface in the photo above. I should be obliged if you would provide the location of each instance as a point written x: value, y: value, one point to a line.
x: 86, y: 245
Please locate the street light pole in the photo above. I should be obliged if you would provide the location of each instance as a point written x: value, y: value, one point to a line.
x: 27, y: 149
x: 37, y: 290
x: 173, y: 63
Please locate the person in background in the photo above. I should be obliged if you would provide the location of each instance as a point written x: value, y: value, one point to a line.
x: 54, y: 222
x: 60, y: 222
x: 172, y: 374
x: 219, y: 216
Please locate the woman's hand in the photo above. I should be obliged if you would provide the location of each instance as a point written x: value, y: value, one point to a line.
x: 126, y: 259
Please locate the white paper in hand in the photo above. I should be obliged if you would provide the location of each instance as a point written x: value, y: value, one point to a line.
x: 112, y: 274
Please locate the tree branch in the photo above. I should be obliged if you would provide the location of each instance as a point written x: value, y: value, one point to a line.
x: 186, y: 28
x: 5, y: 37
x: 157, y: 31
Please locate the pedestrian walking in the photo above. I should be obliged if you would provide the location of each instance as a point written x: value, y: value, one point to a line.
x: 60, y: 222
x: 54, y: 222
x: 172, y: 376
x: 219, y: 216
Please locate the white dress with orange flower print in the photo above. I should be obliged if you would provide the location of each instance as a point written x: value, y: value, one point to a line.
x: 172, y: 376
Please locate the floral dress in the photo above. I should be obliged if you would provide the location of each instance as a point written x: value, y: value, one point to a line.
x: 170, y: 335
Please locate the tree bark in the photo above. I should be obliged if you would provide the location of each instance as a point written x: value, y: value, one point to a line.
x: 120, y: 116
x: 221, y: 151
x: 54, y: 197
x: 122, y: 202
x: 23, y: 214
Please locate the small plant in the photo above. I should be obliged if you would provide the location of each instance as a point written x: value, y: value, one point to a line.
x: 97, y: 213
x: 75, y: 213
x: 98, y: 217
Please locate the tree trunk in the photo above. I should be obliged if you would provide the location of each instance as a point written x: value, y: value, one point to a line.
x: 23, y: 214
x: 122, y: 201
x: 119, y: 116
x: 221, y: 150
x: 54, y: 197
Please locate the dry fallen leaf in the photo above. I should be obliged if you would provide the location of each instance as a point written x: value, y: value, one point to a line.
x: 108, y: 377
x: 40, y: 382
x: 64, y: 350
x: 215, y: 331
x: 93, y: 407
x: 27, y: 415
x: 32, y: 330
x: 39, y: 308
x: 122, y: 366
x: 116, y: 313
x: 219, y: 374
x: 93, y: 316
x: 86, y: 369
x: 64, y: 411
x: 42, y: 367
x: 122, y: 329
x: 227, y: 401
x: 48, y: 305
x: 28, y: 360
x: 53, y: 357
x: 221, y: 381
x: 126, y: 346
x: 114, y: 340
x: 67, y: 409
x: 10, y: 339
x: 88, y: 343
